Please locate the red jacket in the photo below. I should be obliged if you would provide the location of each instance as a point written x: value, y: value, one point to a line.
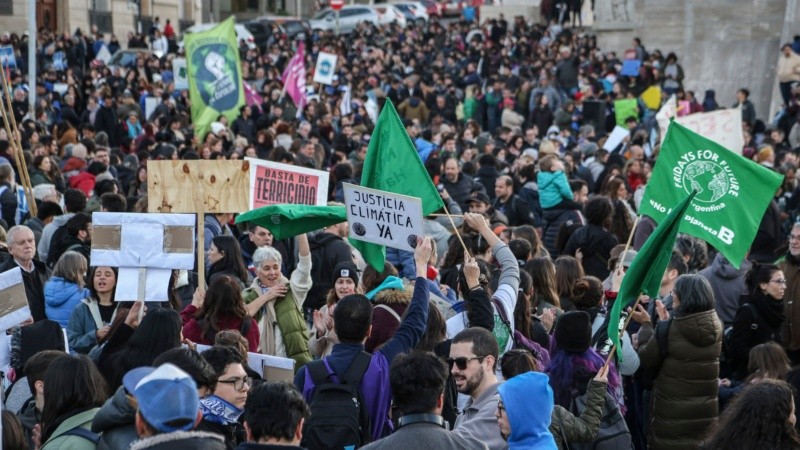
x: 194, y: 332
x: 83, y: 181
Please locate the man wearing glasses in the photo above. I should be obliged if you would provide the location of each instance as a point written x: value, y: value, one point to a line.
x: 222, y: 409
x: 791, y: 270
x: 472, y: 361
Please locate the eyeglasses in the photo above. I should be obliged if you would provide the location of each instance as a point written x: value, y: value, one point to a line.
x: 238, y: 383
x: 461, y: 362
x: 781, y: 282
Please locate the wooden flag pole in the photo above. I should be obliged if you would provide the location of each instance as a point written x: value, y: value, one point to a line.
x: 628, y: 244
x: 627, y: 321
x: 21, y: 165
x: 19, y: 160
x: 455, y: 229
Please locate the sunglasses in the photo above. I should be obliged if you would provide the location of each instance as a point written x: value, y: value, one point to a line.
x: 461, y: 362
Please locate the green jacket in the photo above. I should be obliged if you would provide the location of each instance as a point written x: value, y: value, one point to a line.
x: 291, y: 326
x: 584, y: 428
x: 59, y: 442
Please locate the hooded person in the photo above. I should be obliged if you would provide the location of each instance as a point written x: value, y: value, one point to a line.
x: 728, y: 284
x: 524, y: 412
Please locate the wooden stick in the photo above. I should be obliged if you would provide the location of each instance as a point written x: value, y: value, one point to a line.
x: 14, y: 149
x: 455, y: 229
x: 21, y: 165
x: 201, y: 237
x: 628, y: 244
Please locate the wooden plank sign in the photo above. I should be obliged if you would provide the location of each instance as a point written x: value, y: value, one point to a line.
x: 198, y: 186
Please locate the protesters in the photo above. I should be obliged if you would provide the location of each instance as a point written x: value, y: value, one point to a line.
x: 219, y: 308
x: 524, y: 411
x: 274, y: 415
x: 90, y: 321
x: 225, y: 259
x: 31, y: 412
x: 22, y: 248
x: 323, y: 335
x: 221, y: 410
x: 65, y: 289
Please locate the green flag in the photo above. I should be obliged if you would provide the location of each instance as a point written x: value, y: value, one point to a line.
x: 732, y: 191
x: 647, y: 269
x: 286, y: 220
x: 392, y: 164
x: 215, y: 75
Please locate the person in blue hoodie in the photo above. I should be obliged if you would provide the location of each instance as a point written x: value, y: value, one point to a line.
x: 66, y: 288
x: 524, y: 411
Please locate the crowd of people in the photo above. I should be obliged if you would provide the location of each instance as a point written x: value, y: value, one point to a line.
x: 497, y: 342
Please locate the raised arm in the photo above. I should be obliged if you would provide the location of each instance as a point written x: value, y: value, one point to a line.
x: 300, y: 280
x: 480, y: 314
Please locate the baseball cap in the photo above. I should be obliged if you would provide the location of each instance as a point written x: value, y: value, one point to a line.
x: 479, y: 197
x: 167, y: 396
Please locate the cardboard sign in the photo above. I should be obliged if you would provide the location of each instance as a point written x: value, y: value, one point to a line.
x: 616, y: 137
x: 179, y: 73
x: 14, y: 307
x: 723, y: 126
x: 382, y: 217
x: 630, y: 67
x: 215, y: 186
x: 325, y: 69
x: 273, y: 183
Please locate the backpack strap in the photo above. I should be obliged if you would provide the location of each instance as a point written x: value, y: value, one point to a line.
x: 318, y: 371
x: 389, y: 310
x: 357, y: 369
x: 84, y: 433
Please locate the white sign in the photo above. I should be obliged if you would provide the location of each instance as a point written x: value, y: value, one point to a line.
x: 103, y: 54
x: 150, y: 105
x: 616, y: 137
x: 325, y: 69
x: 14, y: 307
x: 179, y: 74
x: 382, y: 217
x: 146, y: 248
x: 723, y: 126
x: 273, y: 183
x: 271, y: 368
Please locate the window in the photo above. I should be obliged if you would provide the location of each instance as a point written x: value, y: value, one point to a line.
x: 7, y: 7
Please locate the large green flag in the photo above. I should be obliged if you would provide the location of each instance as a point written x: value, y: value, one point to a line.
x: 647, y: 269
x: 287, y: 220
x: 215, y: 75
x: 392, y: 164
x: 732, y: 191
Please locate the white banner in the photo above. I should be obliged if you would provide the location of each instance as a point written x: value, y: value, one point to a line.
x: 723, y: 126
x: 273, y: 183
x: 179, y: 74
x: 325, y: 69
x: 382, y: 217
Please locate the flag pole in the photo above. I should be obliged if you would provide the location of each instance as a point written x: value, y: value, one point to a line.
x: 455, y: 229
x: 627, y: 321
x: 628, y: 244
x: 22, y: 167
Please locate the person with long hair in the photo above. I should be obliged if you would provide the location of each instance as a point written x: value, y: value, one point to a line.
x: 45, y: 171
x: 568, y: 271
x: 543, y: 274
x: 276, y: 302
x: 13, y: 433
x: 91, y: 318
x: 768, y: 361
x: 680, y: 416
x: 136, y: 344
x: 225, y: 258
x: 219, y: 308
x: 760, y: 317
x: 761, y: 417
x: 66, y: 288
x: 616, y: 189
x: 593, y: 241
x: 588, y: 295
x: 323, y: 335
x: 74, y: 392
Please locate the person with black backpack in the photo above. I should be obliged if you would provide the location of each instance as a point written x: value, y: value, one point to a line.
x: 349, y: 391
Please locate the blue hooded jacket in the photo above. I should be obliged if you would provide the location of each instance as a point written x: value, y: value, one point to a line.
x: 528, y: 399
x: 60, y: 298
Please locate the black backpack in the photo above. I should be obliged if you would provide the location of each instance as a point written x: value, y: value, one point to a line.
x: 613, y: 433
x: 339, y: 418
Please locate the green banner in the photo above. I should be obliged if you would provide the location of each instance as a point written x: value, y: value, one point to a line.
x: 732, y: 191
x: 215, y: 75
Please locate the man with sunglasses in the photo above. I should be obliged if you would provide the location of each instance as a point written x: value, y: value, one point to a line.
x: 473, y: 361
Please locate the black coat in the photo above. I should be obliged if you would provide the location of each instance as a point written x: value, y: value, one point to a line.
x: 595, y: 243
x: 34, y: 285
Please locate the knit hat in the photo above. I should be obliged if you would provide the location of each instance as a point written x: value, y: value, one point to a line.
x: 79, y: 151
x: 574, y: 332
x: 346, y: 269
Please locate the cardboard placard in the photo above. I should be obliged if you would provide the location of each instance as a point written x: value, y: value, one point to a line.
x: 14, y: 307
x: 325, y: 68
x: 220, y: 186
x: 273, y: 183
x: 382, y: 217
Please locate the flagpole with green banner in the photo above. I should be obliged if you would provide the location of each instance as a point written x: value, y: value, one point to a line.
x: 646, y: 270
x: 215, y: 75
x: 392, y: 164
x: 732, y: 191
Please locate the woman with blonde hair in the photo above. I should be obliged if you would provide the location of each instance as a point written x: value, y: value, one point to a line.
x: 65, y: 290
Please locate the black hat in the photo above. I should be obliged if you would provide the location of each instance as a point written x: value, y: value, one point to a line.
x: 346, y: 269
x: 574, y: 332
x: 479, y: 197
